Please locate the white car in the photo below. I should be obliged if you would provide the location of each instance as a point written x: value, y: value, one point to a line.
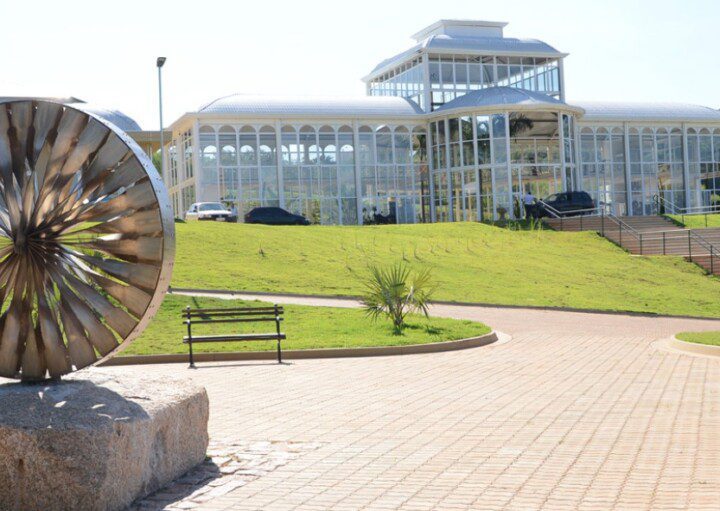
x: 208, y: 211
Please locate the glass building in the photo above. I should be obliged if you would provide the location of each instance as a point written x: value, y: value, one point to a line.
x: 456, y: 128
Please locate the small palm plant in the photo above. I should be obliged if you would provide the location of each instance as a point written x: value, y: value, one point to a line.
x: 395, y: 292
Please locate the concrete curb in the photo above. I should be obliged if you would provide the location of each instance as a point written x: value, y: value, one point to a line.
x: 693, y: 348
x: 370, y: 351
x: 444, y: 302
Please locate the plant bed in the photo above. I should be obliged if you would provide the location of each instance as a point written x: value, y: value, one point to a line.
x: 707, y: 338
x: 306, y: 327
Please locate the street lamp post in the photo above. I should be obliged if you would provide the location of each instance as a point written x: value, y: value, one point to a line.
x: 160, y: 63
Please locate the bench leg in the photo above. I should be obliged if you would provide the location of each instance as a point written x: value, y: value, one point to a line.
x: 279, y: 352
x: 188, y: 321
x: 192, y: 362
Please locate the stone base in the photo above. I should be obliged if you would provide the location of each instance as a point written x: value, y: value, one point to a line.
x: 97, y: 441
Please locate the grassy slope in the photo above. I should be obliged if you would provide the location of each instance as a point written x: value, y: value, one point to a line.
x: 471, y: 263
x: 712, y: 338
x: 306, y: 327
x: 697, y: 221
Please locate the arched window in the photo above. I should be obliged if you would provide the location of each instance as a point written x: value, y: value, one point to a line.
x: 383, y: 144
x: 366, y: 149
x: 587, y: 145
x: 326, y: 138
x: 289, y: 141
x: 308, y: 145
x: 228, y: 156
x: 346, y: 143
x: 228, y: 150
x: 267, y: 146
x: 419, y: 144
x: 208, y: 147
x: 209, y: 155
x: 248, y: 146
x: 403, y: 145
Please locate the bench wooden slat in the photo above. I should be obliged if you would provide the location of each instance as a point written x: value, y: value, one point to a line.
x: 233, y: 320
x: 235, y: 337
x: 234, y: 310
x: 233, y: 315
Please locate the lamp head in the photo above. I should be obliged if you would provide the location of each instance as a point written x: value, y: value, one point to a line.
x: 160, y: 61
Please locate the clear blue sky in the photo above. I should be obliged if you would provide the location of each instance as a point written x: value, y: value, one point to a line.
x: 104, y: 52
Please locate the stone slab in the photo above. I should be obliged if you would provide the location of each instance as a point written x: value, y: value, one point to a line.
x: 97, y: 440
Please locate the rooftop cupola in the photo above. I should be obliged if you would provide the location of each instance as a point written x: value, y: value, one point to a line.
x: 462, y: 28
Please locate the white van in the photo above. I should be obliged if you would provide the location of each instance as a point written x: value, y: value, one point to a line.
x: 208, y: 211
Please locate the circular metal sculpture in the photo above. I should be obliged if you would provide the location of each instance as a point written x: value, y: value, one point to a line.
x: 86, y: 239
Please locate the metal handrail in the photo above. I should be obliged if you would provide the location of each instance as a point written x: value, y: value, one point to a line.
x: 622, y: 225
x: 713, y: 251
x: 559, y: 214
x: 685, y: 210
x: 550, y: 209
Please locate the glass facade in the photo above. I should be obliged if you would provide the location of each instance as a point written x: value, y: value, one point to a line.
x: 329, y: 174
x: 483, y: 164
x: 453, y: 76
x: 704, y: 167
x: 406, y: 80
x: 602, y: 153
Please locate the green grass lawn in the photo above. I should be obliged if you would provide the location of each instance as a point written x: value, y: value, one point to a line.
x: 471, y: 262
x: 306, y: 327
x: 711, y: 338
x: 698, y: 221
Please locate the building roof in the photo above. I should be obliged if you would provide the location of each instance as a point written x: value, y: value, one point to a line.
x: 116, y: 117
x: 442, y: 43
x: 502, y: 98
x: 461, y: 27
x: 637, y: 111
x: 308, y: 106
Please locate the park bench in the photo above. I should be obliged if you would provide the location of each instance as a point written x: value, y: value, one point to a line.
x: 233, y: 315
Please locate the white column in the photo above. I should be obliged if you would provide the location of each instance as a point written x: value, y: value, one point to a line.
x: 278, y: 157
x: 686, y: 167
x: 446, y: 127
x: 431, y: 172
x: 196, y: 160
x: 358, y: 171
x: 492, y: 167
x: 217, y: 167
x: 238, y: 190
x: 427, y: 94
x: 476, y: 169
x: 628, y: 185
x: 338, y: 196
x: 561, y: 131
x: 511, y: 206
x: 393, y: 167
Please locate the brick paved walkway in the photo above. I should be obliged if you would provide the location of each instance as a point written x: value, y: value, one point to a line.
x: 577, y: 411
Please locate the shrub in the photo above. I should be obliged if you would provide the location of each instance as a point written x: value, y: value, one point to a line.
x: 396, y: 292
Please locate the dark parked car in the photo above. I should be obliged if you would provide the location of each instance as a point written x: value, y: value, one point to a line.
x: 566, y: 203
x: 274, y: 216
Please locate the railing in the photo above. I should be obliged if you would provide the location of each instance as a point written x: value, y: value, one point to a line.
x: 561, y: 215
x: 684, y: 242
x: 670, y: 206
x: 622, y: 226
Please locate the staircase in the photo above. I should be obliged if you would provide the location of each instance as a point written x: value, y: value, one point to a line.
x: 650, y: 235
